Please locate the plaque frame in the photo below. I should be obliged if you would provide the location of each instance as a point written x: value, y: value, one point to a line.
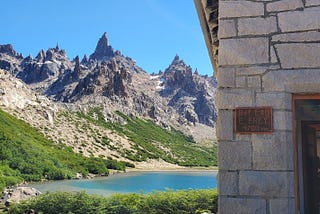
x: 256, y: 127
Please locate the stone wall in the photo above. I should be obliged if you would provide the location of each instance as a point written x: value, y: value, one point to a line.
x: 268, y: 51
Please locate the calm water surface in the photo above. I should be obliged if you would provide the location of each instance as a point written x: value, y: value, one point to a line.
x: 135, y: 182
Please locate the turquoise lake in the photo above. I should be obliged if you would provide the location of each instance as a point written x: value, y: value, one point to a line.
x: 135, y: 182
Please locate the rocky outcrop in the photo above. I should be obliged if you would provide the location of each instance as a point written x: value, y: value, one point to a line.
x: 85, y: 59
x: 190, y: 93
x: 77, y: 68
x: 15, y: 195
x: 9, y: 59
x: 14, y: 93
x: 7, y: 49
x: 41, y: 56
x: 44, y: 68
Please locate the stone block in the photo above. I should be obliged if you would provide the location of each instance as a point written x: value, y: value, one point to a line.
x: 284, y: 5
x: 292, y: 81
x: 283, y: 206
x: 282, y: 120
x: 227, y: 28
x: 231, y: 98
x: 278, y: 100
x: 257, y: 26
x: 302, y: 20
x: 242, y: 205
x: 241, y: 82
x: 312, y: 2
x: 254, y: 82
x: 297, y: 37
x: 299, y: 55
x: 224, y: 128
x: 240, y: 8
x: 273, y: 151
x: 264, y: 183
x: 228, y: 182
x: 243, y: 137
x: 226, y: 77
x: 243, y: 51
x: 234, y: 155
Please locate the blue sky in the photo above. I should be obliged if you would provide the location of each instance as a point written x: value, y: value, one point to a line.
x: 150, y: 31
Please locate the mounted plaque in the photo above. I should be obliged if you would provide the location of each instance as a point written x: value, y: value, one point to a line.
x: 253, y: 120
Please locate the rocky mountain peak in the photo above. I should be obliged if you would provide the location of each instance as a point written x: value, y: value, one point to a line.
x: 103, y: 50
x: 7, y: 49
x: 178, y: 73
x: 176, y: 62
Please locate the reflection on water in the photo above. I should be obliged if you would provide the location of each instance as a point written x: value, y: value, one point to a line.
x: 135, y: 182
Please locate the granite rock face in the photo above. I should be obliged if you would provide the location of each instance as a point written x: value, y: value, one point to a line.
x: 190, y: 93
x: 7, y: 49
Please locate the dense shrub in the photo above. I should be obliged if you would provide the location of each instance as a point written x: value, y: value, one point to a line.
x: 183, y: 201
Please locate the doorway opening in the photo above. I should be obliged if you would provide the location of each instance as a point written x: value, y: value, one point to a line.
x: 307, y: 152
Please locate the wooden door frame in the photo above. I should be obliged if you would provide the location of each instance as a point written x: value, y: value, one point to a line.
x: 296, y: 97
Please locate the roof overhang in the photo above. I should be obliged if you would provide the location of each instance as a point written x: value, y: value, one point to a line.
x: 208, y: 15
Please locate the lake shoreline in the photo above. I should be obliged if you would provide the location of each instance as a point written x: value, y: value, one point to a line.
x: 178, y: 169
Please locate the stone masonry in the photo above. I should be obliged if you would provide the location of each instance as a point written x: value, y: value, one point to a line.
x: 268, y: 51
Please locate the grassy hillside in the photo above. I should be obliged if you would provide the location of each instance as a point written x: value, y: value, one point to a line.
x: 25, y: 154
x: 154, y: 142
x: 182, y: 201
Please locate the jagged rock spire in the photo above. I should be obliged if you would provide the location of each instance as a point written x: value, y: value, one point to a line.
x: 176, y: 62
x: 41, y: 56
x: 104, y: 39
x: 77, y: 68
x: 28, y: 58
x: 77, y: 61
x: 57, y: 47
x: 103, y: 50
x: 85, y: 59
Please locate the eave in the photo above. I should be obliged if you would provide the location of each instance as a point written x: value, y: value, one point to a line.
x: 208, y: 15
